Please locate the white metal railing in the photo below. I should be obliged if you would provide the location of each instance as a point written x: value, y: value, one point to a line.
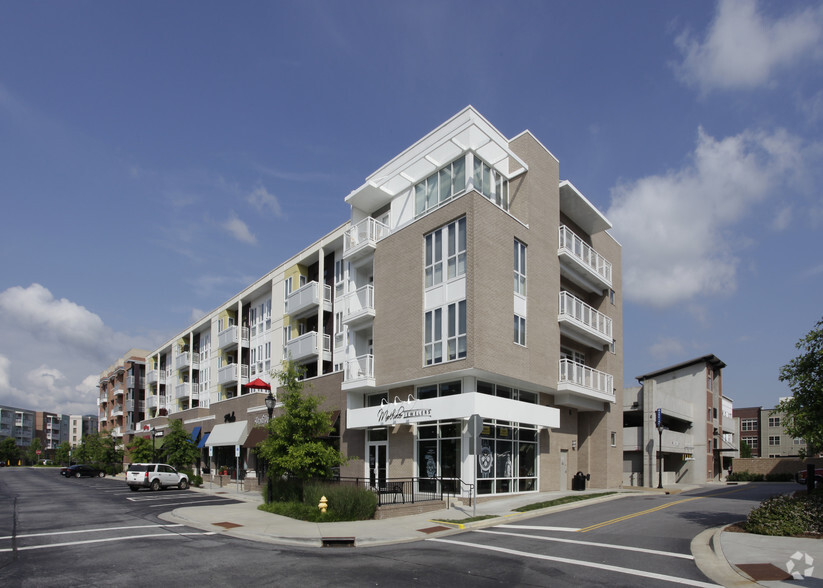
x: 582, y: 251
x: 232, y: 336
x: 129, y: 405
x: 361, y: 301
x: 118, y: 391
x: 572, y: 372
x: 232, y: 372
x: 130, y: 380
x: 117, y: 411
x: 307, y: 295
x: 359, y: 368
x: 574, y: 309
x: 182, y: 390
x: 186, y: 359
x: 155, y: 401
x: 367, y: 232
x: 306, y: 345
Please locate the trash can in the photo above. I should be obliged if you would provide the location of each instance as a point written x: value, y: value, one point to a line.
x: 579, y: 481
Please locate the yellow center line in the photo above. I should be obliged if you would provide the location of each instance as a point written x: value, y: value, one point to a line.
x: 655, y: 509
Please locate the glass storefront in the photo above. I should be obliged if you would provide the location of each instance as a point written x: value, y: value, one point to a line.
x: 438, y: 455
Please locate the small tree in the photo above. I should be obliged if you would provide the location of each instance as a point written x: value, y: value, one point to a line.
x: 745, y: 450
x: 804, y: 374
x: 35, y: 446
x: 178, y: 448
x: 61, y: 454
x: 140, y: 450
x: 9, y: 452
x: 295, y: 444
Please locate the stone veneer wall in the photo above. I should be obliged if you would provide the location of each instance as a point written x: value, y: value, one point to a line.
x: 773, y: 465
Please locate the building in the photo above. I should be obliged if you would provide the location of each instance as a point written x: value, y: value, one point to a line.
x: 52, y: 430
x: 80, y: 426
x: 465, y: 323
x: 122, y: 395
x: 698, y: 426
x: 762, y: 429
x: 17, y: 423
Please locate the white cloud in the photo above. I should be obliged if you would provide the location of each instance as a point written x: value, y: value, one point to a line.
x: 239, y: 230
x: 782, y: 219
x: 263, y: 201
x: 743, y: 47
x: 666, y: 348
x: 677, y: 228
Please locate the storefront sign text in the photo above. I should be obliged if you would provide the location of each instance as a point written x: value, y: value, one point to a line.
x: 401, y: 413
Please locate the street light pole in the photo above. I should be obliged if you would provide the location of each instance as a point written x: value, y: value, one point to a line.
x: 153, y: 434
x: 270, y: 402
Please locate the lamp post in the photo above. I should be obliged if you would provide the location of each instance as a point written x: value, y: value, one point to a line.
x: 270, y: 402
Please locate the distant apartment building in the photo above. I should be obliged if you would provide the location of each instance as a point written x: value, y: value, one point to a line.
x: 464, y: 324
x: 81, y: 426
x: 52, y: 429
x: 121, y: 400
x: 762, y: 429
x: 699, y: 435
x: 17, y: 423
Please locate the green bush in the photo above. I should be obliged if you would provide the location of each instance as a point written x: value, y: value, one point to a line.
x: 779, y: 477
x: 787, y: 516
x: 345, y: 503
x: 745, y: 477
x: 194, y: 479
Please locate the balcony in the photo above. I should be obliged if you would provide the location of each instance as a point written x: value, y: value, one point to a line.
x: 117, y: 410
x: 187, y: 359
x: 117, y: 432
x: 584, y: 324
x: 359, y: 373
x: 582, y: 264
x: 102, y: 417
x: 361, y: 239
x: 104, y: 398
x: 118, y: 391
x: 232, y: 336
x: 129, y: 405
x: 232, y: 373
x: 155, y: 401
x: 307, y: 346
x: 184, y: 390
x: 152, y: 377
x: 358, y: 306
x: 306, y: 299
x: 582, y: 387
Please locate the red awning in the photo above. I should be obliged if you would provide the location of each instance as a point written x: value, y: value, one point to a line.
x: 258, y: 384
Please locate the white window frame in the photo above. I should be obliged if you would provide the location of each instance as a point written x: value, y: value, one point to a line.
x: 444, y: 253
x: 519, y: 330
x: 519, y: 267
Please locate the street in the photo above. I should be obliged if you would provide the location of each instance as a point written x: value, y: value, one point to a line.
x: 95, y: 532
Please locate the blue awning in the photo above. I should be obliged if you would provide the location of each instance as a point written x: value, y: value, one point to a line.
x: 203, y: 440
x: 195, y: 434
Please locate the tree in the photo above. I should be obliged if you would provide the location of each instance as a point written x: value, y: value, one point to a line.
x: 178, y: 448
x: 61, y: 454
x: 31, y: 453
x: 745, y: 449
x: 295, y: 444
x: 804, y: 410
x: 9, y: 452
x: 140, y: 450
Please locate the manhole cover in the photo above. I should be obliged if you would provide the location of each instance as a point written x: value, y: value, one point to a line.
x: 434, y: 529
x: 227, y: 525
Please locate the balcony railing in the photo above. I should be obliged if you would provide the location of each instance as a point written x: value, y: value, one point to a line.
x: 358, y: 306
x: 130, y: 382
x: 155, y: 401
x: 232, y: 373
x: 586, y: 267
x: 581, y: 379
x: 186, y: 359
x: 118, y: 391
x: 182, y: 390
x: 307, y: 345
x: 153, y: 376
x: 308, y: 297
x: 583, y: 323
x: 359, y: 370
x: 232, y: 336
x: 363, y: 237
x: 117, y: 410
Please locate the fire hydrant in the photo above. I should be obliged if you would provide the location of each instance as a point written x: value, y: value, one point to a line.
x: 324, y: 504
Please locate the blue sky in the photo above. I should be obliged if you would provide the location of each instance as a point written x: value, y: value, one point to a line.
x: 157, y: 157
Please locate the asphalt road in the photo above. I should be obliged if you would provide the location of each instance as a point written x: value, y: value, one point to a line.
x: 95, y: 532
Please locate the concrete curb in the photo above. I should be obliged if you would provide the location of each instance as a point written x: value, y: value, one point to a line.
x: 709, y: 557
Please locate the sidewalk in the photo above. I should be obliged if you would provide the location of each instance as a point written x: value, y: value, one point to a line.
x: 727, y: 558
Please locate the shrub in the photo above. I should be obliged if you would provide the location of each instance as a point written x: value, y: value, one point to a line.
x: 194, y: 479
x: 787, y: 516
x: 745, y: 477
x: 779, y: 477
x: 345, y: 503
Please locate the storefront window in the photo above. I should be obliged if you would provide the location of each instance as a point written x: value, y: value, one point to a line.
x: 438, y: 455
x: 507, y: 458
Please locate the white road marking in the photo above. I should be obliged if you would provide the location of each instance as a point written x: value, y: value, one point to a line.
x: 190, y: 502
x: 587, y: 564
x: 576, y: 542
x: 536, y: 528
x: 100, y: 530
x: 88, y: 541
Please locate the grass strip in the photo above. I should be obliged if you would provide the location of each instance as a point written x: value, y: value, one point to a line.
x: 562, y: 500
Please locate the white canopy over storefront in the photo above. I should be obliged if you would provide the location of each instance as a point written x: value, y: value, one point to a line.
x: 228, y: 434
x: 458, y: 406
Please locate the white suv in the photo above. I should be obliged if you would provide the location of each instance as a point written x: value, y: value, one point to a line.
x: 155, y: 476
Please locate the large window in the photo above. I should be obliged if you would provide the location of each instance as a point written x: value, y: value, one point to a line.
x: 447, y: 244
x: 507, y: 458
x: 748, y: 424
x: 520, y: 330
x: 519, y: 268
x: 491, y: 183
x: 774, y: 440
x: 774, y: 421
x: 451, y: 321
x: 441, y: 186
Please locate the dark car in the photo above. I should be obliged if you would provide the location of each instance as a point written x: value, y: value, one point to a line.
x: 82, y: 471
x: 800, y: 477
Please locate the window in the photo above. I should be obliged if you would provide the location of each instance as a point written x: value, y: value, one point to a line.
x: 611, y: 296
x: 440, y: 187
x: 519, y: 268
x: 798, y: 441
x: 455, y: 329
x: 614, y: 438
x: 491, y: 183
x: 774, y: 440
x: 748, y: 424
x: 752, y: 442
x: 447, y: 243
x: 774, y: 421
x: 519, y: 330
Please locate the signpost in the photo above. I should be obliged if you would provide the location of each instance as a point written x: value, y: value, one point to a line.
x: 237, y: 466
x: 658, y: 420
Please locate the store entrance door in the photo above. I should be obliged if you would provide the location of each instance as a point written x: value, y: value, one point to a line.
x: 378, y: 464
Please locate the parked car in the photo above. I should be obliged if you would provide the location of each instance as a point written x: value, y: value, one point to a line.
x: 155, y: 476
x: 82, y: 471
x: 800, y: 477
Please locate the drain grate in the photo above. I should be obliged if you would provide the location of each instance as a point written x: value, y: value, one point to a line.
x: 764, y: 572
x: 434, y: 529
x: 227, y: 525
x: 338, y: 541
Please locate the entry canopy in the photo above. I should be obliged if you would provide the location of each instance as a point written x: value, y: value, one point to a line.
x: 228, y: 434
x: 458, y: 406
